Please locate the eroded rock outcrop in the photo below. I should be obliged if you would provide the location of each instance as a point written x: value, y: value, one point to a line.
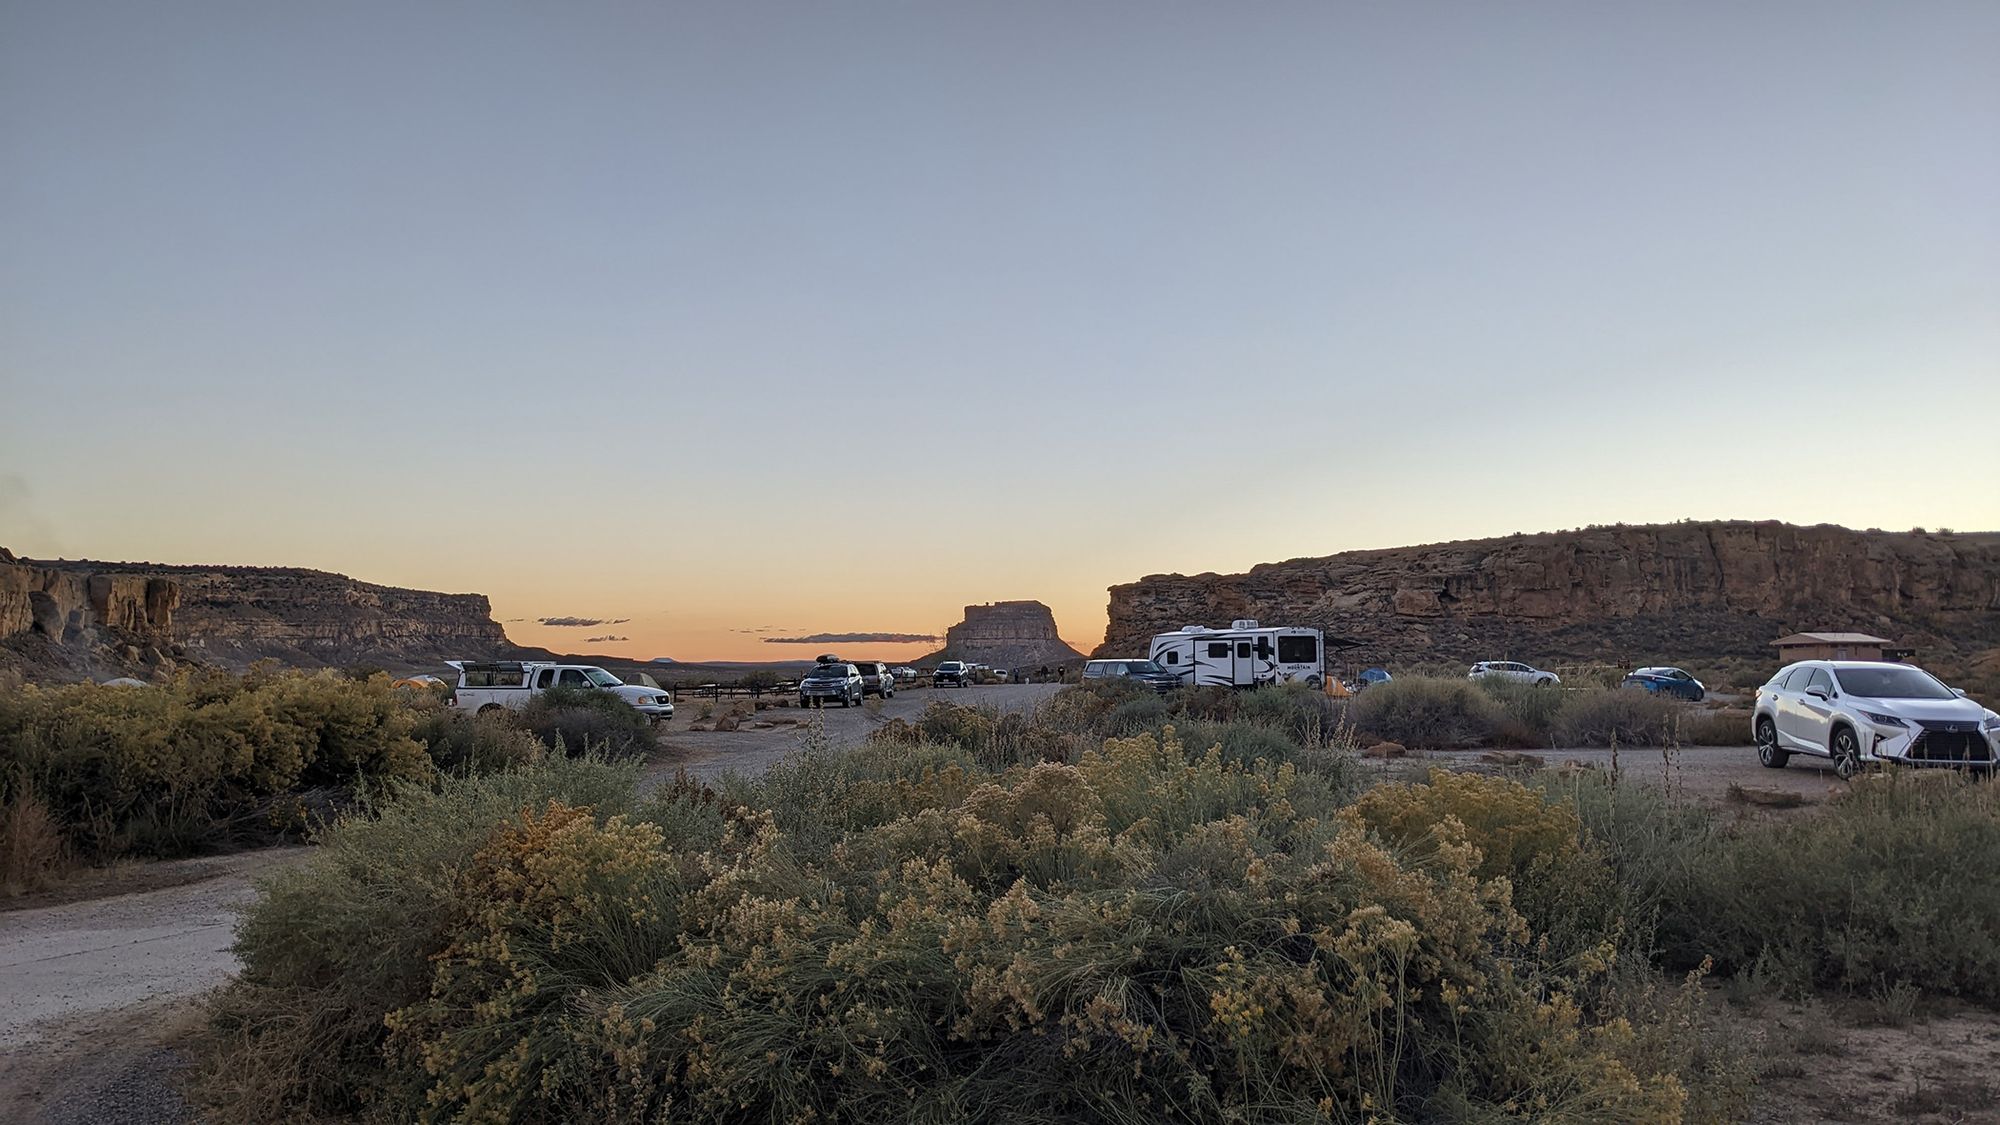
x: 78, y: 618
x: 1007, y: 635
x: 1669, y: 592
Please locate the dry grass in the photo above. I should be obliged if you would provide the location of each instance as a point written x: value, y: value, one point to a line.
x: 32, y: 852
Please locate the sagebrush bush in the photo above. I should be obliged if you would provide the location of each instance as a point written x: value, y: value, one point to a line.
x: 1429, y: 714
x: 1622, y: 717
x: 577, y: 720
x: 165, y: 770
x: 460, y: 743
x: 1161, y: 930
x: 339, y: 940
x: 1852, y: 897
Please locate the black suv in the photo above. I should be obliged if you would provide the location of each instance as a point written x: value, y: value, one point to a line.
x: 828, y: 682
x: 1143, y: 671
x: 953, y: 672
x: 876, y: 679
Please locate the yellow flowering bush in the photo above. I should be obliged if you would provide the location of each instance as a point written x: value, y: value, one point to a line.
x: 1155, y: 932
x: 113, y: 761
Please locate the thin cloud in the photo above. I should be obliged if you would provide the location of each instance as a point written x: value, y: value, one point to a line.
x: 854, y: 639
x: 600, y: 640
x: 582, y: 622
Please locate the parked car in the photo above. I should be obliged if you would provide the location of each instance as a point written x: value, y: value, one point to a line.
x: 1509, y: 670
x: 493, y: 685
x: 905, y: 673
x: 1857, y: 712
x: 828, y: 682
x: 1144, y: 671
x: 954, y: 672
x: 1667, y: 681
x: 876, y: 679
x: 1001, y: 674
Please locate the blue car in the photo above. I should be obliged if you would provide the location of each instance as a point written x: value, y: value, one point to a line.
x: 1667, y: 681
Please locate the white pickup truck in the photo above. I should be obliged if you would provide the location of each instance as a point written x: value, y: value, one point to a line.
x: 484, y: 685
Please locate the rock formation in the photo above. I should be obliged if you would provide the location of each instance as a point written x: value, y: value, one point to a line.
x: 71, y: 614
x: 1666, y: 593
x: 1006, y: 635
x: 66, y: 619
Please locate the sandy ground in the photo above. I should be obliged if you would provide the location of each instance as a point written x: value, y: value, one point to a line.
x: 95, y: 994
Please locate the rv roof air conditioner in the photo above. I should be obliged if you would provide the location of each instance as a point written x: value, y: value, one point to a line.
x: 1243, y: 623
x: 1194, y: 628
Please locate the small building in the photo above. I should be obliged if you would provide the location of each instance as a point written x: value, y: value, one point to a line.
x: 1837, y: 646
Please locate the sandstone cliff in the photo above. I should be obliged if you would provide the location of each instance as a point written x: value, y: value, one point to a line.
x: 1666, y: 593
x: 80, y: 620
x: 64, y: 619
x: 1006, y: 635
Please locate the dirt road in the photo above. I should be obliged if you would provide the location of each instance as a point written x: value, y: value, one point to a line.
x: 95, y: 991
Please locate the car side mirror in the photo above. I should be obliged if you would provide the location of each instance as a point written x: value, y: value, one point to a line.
x: 1959, y: 692
x: 1817, y: 693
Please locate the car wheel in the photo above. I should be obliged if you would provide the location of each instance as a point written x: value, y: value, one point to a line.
x: 1544, y: 682
x: 1315, y: 683
x: 491, y: 708
x: 1768, y: 753
x: 1846, y: 754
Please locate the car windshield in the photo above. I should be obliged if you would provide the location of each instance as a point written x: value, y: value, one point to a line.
x: 828, y: 672
x: 950, y: 666
x: 1891, y: 682
x: 1143, y: 668
x: 602, y: 678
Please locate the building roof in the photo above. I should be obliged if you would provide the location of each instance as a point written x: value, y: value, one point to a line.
x: 1831, y: 639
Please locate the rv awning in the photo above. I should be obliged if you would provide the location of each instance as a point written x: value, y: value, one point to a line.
x: 1342, y: 642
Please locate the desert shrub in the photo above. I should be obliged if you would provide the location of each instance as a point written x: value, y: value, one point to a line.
x: 460, y: 743
x: 1620, y: 716
x: 169, y: 769
x: 1141, y: 712
x: 1728, y: 726
x: 1157, y: 931
x: 32, y: 849
x: 1851, y: 897
x: 1305, y: 715
x: 584, y: 720
x: 1564, y: 890
x: 1428, y: 714
x: 1856, y: 897
x: 1531, y: 711
x: 338, y: 940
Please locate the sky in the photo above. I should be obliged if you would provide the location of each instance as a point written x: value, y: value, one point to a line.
x: 835, y: 318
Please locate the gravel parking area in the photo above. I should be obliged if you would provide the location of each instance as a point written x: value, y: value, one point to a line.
x: 767, y: 736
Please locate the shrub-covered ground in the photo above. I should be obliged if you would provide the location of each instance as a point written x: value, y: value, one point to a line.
x: 1107, y: 912
x: 93, y: 774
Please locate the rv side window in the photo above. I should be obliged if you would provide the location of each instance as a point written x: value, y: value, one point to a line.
x: 1243, y: 649
x: 1173, y: 658
x: 1218, y: 649
x: 1297, y: 650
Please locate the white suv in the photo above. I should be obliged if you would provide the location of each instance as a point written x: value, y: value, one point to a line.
x: 1856, y: 712
x: 1508, y: 670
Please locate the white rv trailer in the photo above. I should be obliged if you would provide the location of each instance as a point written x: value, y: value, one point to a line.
x: 1243, y: 655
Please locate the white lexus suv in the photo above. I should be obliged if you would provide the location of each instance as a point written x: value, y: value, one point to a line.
x: 1856, y: 712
